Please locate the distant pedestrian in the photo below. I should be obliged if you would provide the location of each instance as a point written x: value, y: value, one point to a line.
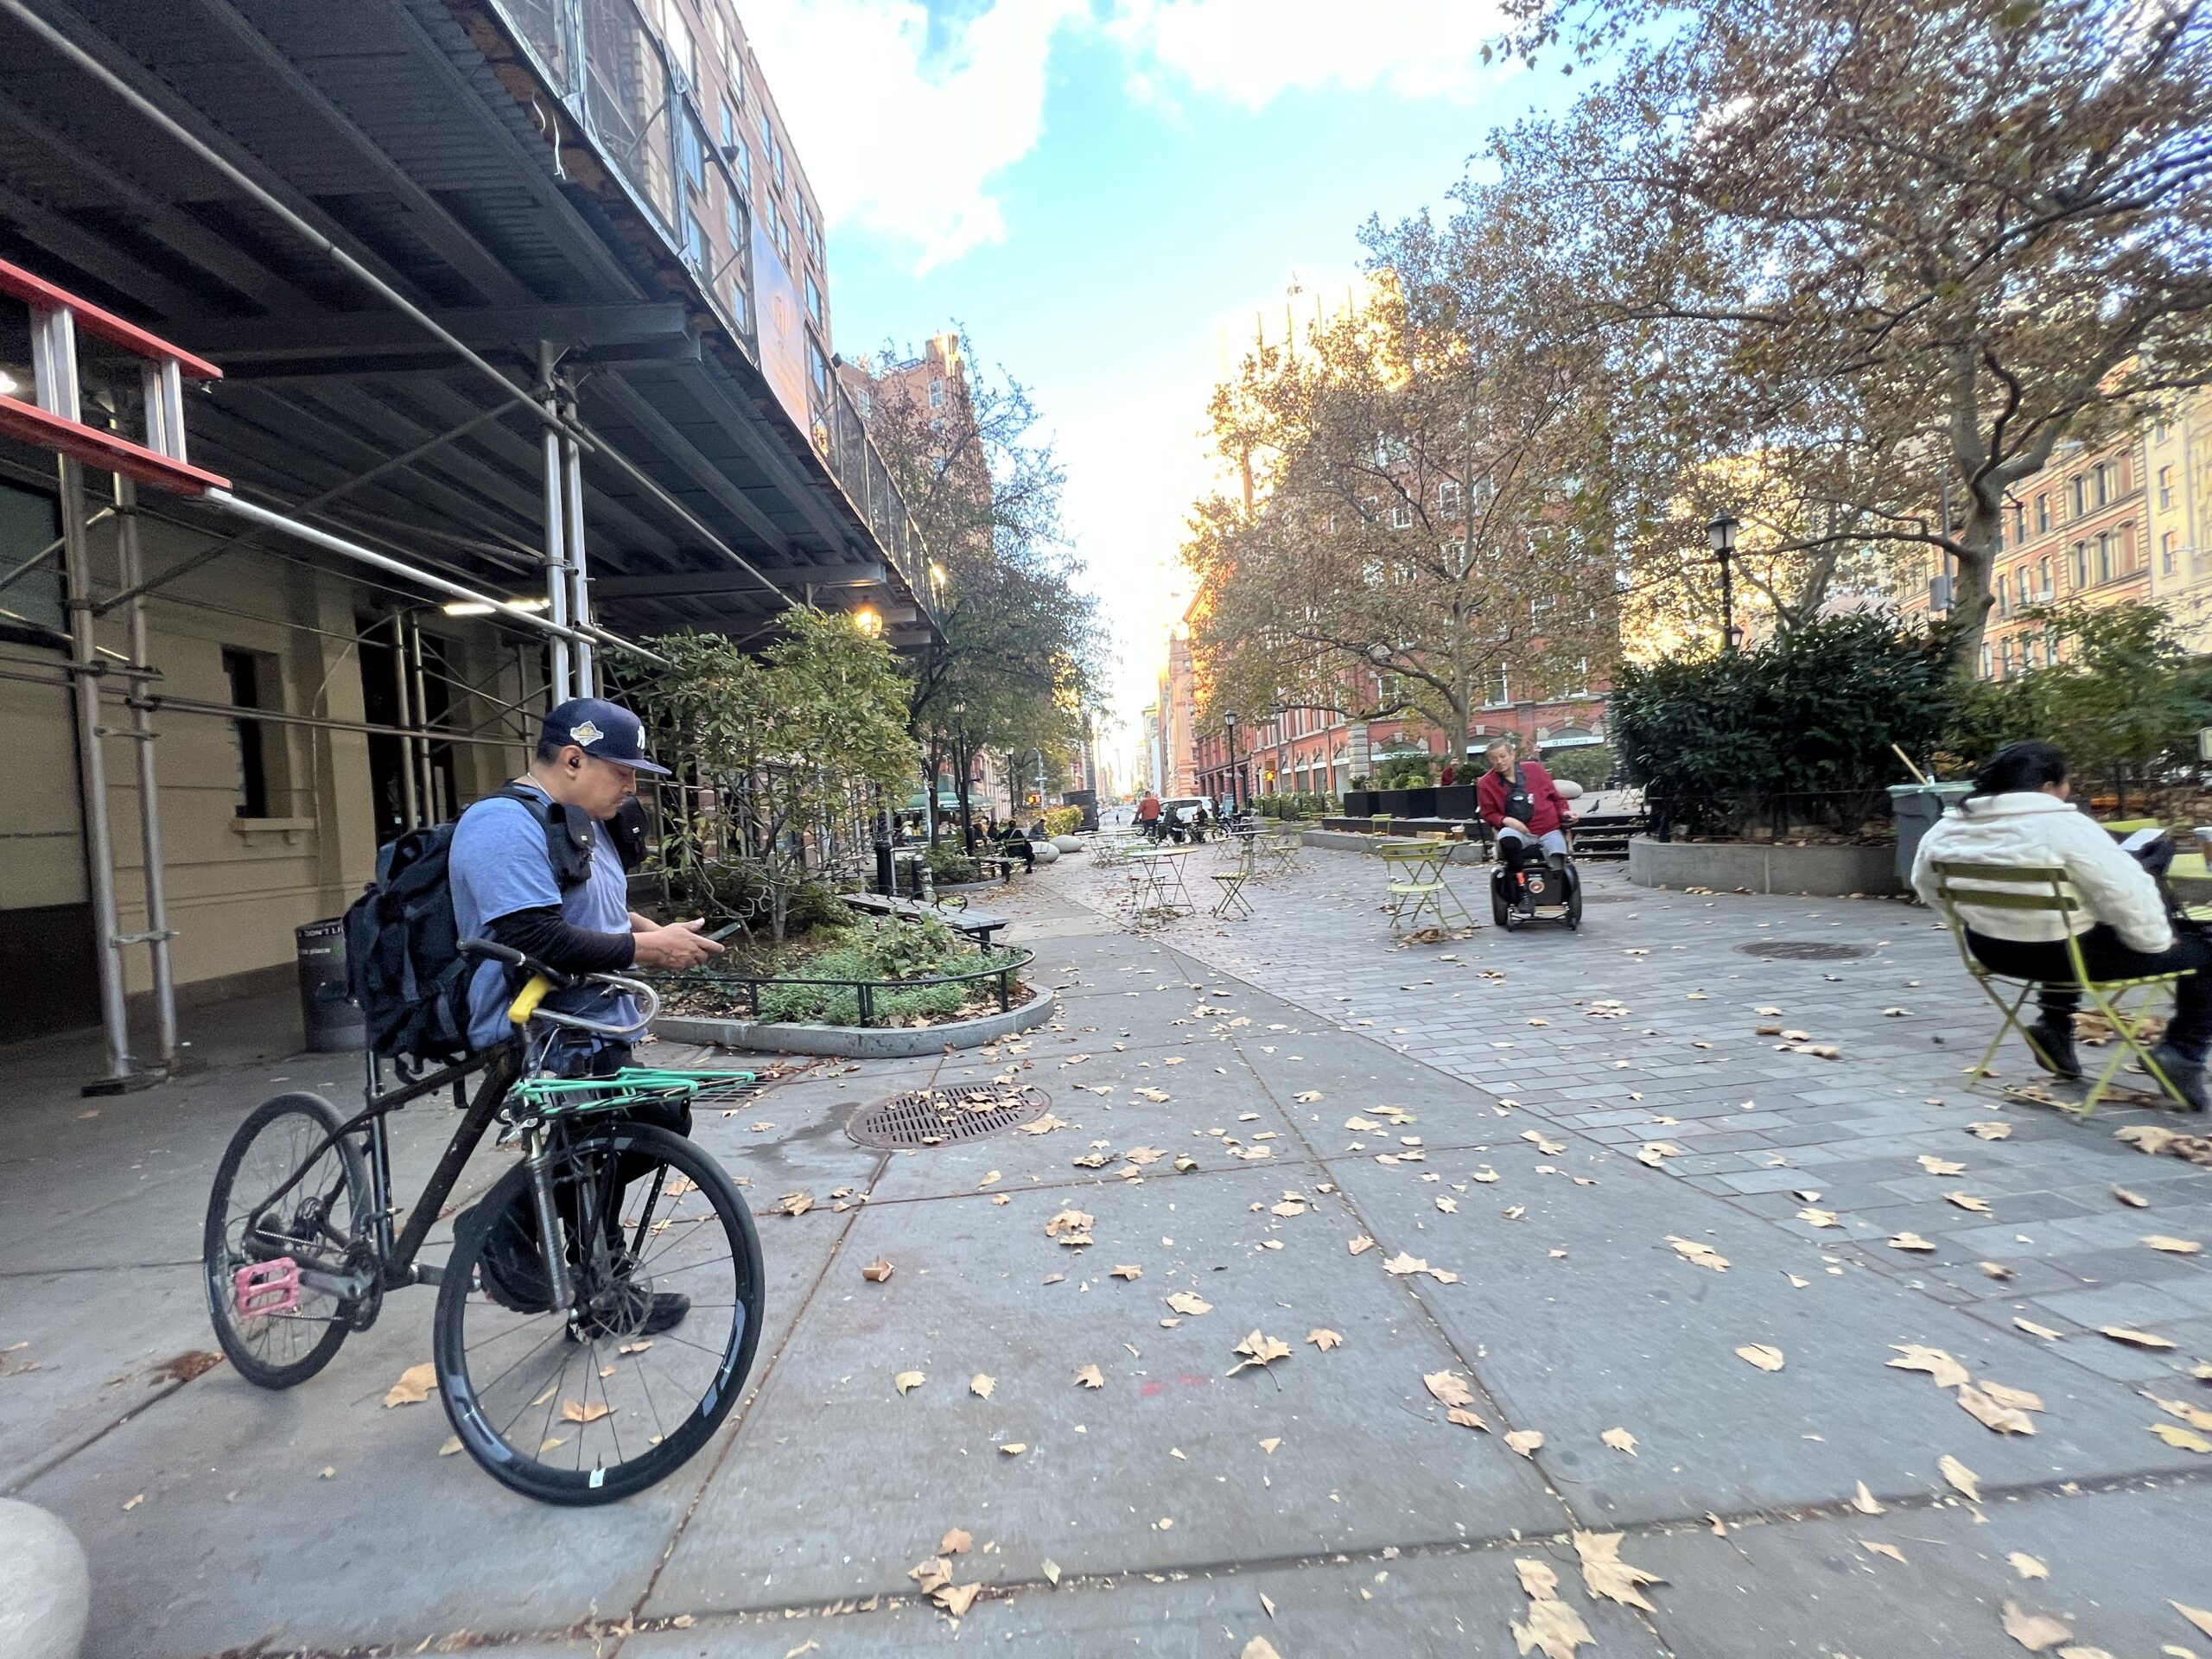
x: 1148, y: 814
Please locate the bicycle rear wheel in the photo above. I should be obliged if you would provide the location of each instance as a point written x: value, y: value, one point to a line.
x: 590, y: 1403
x: 320, y: 1218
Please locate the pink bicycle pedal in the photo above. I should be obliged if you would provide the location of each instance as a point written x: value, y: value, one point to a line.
x: 266, y: 1287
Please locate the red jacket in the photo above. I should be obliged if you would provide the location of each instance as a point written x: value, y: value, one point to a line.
x: 1549, y: 806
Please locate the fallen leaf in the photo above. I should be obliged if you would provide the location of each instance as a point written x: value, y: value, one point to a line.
x: 1760, y: 1354
x: 1259, y: 1648
x: 1307, y: 1096
x: 1015, y: 1449
x: 1090, y: 1377
x: 2195, y: 1416
x: 1258, y: 1350
x: 1703, y: 1256
x: 1909, y: 1241
x: 131, y: 1504
x: 1190, y: 1302
x: 1657, y: 1152
x: 1865, y: 1503
x: 1604, y: 1573
x: 956, y: 1542
x: 2133, y: 1200
x: 956, y: 1599
x: 2134, y: 1338
x: 1449, y: 1387
x: 1128, y: 1270
x: 981, y: 1385
x: 1936, y: 1165
x: 1917, y: 1357
x: 1362, y: 1243
x: 1525, y: 1440
x: 2042, y: 1331
x: 1960, y: 1476
x: 1820, y: 1218
x: 1403, y: 1263
x: 1990, y: 1131
x: 1269, y: 1445
x: 2173, y: 1246
x: 450, y: 1445
x: 1449, y: 1206
x: 1890, y: 1550
x: 795, y: 1204
x: 1071, y: 1226
x: 1995, y: 1270
x: 1966, y: 1201
x: 590, y: 1412
x: 2185, y: 1439
x: 2005, y: 1420
x: 1465, y: 1419
x: 2196, y: 1616
x: 2035, y: 1631
x: 1554, y: 1629
x: 1486, y: 1175
x: 1050, y: 1569
x: 414, y: 1386
x: 990, y: 1179
x: 876, y: 1271
x: 2027, y: 1565
x: 907, y: 1382
x: 1620, y: 1440
x: 1324, y: 1340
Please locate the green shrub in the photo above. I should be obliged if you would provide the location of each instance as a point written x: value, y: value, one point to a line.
x: 1063, y: 820
x: 1795, y: 732
x: 1589, y: 765
x: 891, y: 949
x: 815, y: 905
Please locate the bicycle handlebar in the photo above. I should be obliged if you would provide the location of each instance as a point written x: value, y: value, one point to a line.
x: 648, y: 998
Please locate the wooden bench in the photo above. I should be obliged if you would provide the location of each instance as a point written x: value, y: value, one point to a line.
x: 978, y: 925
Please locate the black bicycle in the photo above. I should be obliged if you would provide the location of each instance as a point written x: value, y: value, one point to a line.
x: 600, y: 1309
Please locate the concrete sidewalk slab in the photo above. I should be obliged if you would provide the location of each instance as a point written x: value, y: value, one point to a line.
x: 838, y: 1485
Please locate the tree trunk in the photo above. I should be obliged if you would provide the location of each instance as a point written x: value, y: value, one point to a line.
x: 965, y: 761
x: 1971, y: 599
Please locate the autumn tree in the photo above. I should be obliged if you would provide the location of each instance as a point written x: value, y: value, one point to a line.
x: 1417, y: 541
x: 1021, y: 643
x: 1892, y: 257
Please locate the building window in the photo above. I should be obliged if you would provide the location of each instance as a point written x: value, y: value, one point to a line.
x: 252, y: 676
x: 2003, y: 658
x: 2080, y: 496
x: 2104, y: 555
x: 30, y: 520
x: 1447, y: 497
x: 936, y: 392
x: 1500, y: 687
x: 1985, y: 659
x: 2042, y: 571
x: 2104, y: 483
x: 813, y: 298
x: 2019, y: 523
x: 693, y: 144
x: 2080, y: 564
x: 2003, y: 598
x: 729, y: 128
x: 818, y: 365
x: 741, y: 159
x: 2043, y: 514
x: 1402, y: 516
x: 2168, y: 554
x: 2165, y: 488
x: 783, y: 237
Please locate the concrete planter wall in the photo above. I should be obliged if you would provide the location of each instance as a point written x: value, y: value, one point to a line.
x: 860, y: 1042
x: 1727, y: 866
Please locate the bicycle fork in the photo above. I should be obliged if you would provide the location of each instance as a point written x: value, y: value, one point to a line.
x: 538, y: 1158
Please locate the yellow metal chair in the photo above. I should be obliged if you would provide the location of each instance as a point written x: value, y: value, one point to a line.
x: 2045, y: 890
x: 1232, y: 902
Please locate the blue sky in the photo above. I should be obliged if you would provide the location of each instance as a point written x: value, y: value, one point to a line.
x: 1097, y: 188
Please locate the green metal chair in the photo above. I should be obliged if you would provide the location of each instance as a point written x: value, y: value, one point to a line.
x: 2044, y: 889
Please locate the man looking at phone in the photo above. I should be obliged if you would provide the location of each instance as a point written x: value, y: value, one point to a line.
x: 536, y: 868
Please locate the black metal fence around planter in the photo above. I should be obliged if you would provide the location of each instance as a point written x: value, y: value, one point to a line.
x: 867, y: 993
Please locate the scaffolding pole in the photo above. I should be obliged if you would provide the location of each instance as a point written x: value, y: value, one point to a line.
x: 131, y: 569
x: 556, y: 559
x: 572, y: 474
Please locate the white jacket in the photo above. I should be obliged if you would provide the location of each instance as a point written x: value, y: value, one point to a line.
x: 2033, y: 828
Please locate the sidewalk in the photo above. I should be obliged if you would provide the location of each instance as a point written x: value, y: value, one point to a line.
x: 1325, y: 1502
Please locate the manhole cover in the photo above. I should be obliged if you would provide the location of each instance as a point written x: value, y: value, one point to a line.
x: 1805, y: 950
x: 933, y: 1117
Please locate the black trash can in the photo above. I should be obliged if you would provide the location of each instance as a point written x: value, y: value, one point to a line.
x: 332, y: 1024
x: 1916, y: 807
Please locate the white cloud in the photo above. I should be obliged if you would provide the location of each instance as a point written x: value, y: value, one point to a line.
x: 905, y: 126
x: 902, y: 134
x: 1252, y: 51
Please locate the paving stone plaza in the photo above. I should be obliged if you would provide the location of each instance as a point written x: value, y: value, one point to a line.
x: 1562, y: 1234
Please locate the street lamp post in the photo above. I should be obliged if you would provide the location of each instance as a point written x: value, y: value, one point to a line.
x: 1229, y: 727
x: 960, y: 760
x: 1722, y: 534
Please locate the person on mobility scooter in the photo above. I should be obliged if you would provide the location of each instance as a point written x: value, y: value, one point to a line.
x: 1534, y: 872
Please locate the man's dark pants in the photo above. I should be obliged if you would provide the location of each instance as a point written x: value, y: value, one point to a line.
x: 2107, y: 957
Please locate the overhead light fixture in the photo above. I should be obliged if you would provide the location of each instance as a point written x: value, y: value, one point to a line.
x: 485, y: 607
x: 15, y: 380
x: 870, y: 619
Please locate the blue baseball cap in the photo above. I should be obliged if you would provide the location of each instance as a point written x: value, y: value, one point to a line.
x: 604, y: 730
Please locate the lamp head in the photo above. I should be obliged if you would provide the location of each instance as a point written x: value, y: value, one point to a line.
x: 1721, y: 533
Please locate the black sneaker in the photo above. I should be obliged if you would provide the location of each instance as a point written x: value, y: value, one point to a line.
x: 2187, y: 1076
x: 509, y: 1264
x: 2053, y: 1048
x: 667, y: 1312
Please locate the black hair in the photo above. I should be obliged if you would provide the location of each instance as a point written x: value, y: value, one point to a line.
x: 549, y: 750
x: 2018, y: 768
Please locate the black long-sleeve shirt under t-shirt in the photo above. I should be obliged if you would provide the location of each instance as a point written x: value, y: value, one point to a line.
x: 540, y: 933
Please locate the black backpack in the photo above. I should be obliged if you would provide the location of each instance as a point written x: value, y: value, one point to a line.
x: 403, y: 963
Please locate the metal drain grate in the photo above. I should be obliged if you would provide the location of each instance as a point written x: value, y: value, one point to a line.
x: 932, y: 1117
x: 1805, y: 950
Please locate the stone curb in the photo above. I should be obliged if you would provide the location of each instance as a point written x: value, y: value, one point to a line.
x: 1822, y: 872
x: 1350, y: 841
x: 860, y: 1042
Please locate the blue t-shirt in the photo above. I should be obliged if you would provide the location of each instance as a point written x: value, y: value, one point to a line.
x: 499, y: 864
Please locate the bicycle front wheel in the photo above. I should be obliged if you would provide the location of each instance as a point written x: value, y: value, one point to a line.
x: 593, y: 1401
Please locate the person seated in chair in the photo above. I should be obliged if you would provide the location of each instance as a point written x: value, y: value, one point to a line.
x: 1518, y: 799
x: 2019, y: 814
